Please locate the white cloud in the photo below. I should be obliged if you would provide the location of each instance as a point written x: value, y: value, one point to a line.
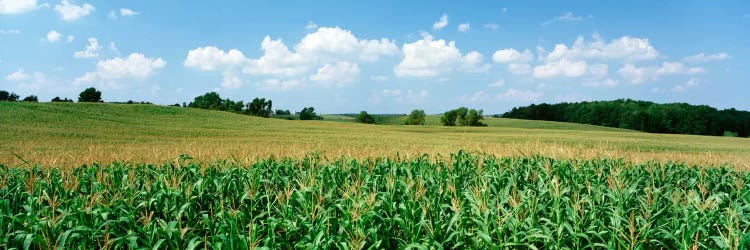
x: 10, y: 32
x: 598, y: 70
x: 324, y: 49
x: 515, y: 95
x: 568, y: 16
x: 519, y: 68
x: 276, y: 84
x: 464, y: 27
x: 113, y: 48
x: 637, y: 75
x: 128, y: 12
x: 560, y: 68
x: 693, y: 82
x: 136, y: 66
x: 53, y: 36
x: 498, y: 83
x: 441, y: 23
x: 92, y: 49
x: 230, y: 80
x: 398, y: 95
x: 379, y: 78
x: 311, y: 25
x: 428, y: 58
x: 19, y: 75
x: 512, y: 55
x: 492, y: 26
x: 602, y: 83
x: 477, y: 97
x: 624, y: 48
x: 698, y: 58
x: 17, y: 6
x: 71, y: 38
x: 340, y: 73
x: 212, y: 58
x: 71, y: 12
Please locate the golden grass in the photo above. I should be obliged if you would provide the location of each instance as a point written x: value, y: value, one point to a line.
x: 74, y: 134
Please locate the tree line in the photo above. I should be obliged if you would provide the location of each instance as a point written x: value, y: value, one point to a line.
x: 672, y: 118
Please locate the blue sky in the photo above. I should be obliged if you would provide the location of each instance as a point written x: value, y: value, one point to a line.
x: 380, y: 56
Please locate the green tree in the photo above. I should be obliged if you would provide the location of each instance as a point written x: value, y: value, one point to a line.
x: 6, y: 96
x: 31, y: 98
x: 449, y: 118
x: 364, y: 117
x: 282, y: 112
x: 260, y: 107
x: 90, y: 95
x: 308, y: 113
x: 474, y: 118
x: 210, y: 100
x: 416, y: 117
x: 57, y: 99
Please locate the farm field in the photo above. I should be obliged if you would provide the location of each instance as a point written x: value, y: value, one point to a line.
x: 67, y: 134
x: 466, y: 201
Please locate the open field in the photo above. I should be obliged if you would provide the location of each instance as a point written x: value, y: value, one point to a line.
x: 79, y: 133
x: 469, y: 201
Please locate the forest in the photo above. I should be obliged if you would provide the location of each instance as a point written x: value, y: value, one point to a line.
x: 673, y: 118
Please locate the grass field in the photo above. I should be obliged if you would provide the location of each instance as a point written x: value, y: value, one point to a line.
x: 79, y: 133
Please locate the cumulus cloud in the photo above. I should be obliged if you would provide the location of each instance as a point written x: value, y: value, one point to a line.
x: 53, y: 36
x: 519, y: 68
x: 492, y: 26
x: 498, y: 83
x: 136, y: 66
x: 477, y: 97
x: 17, y: 6
x: 428, y: 58
x: 699, y: 58
x: 398, y: 95
x: 70, y: 11
x: 311, y: 25
x: 92, y: 49
x: 276, y: 84
x: 71, y: 38
x: 331, y: 50
x: 19, y: 75
x: 464, y: 27
x: 563, y: 67
x: 515, y: 95
x: 623, y: 48
x: 638, y: 75
x: 441, y: 23
x: 568, y: 17
x: 512, y: 55
x: 339, y: 73
x: 128, y: 12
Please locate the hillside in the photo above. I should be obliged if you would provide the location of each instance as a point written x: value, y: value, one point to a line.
x: 74, y: 133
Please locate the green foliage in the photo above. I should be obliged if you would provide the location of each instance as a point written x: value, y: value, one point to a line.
x: 90, y: 95
x: 282, y: 112
x: 259, y: 107
x: 364, y: 117
x: 213, y: 101
x: 308, y: 113
x: 463, y: 117
x: 8, y: 96
x: 467, y: 202
x: 57, y: 99
x: 673, y: 118
x: 416, y: 117
x: 31, y: 98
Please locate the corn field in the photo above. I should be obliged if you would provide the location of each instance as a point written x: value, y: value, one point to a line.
x: 468, y: 200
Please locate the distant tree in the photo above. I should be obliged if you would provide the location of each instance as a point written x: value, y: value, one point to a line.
x: 463, y: 117
x: 90, y: 95
x: 364, y: 117
x: 308, y: 113
x: 175, y: 105
x: 184, y: 105
x: 283, y: 112
x: 210, y: 100
x: 474, y: 118
x: 31, y: 98
x: 449, y: 118
x: 9, y: 97
x: 57, y: 99
x: 416, y: 117
x: 260, y: 107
